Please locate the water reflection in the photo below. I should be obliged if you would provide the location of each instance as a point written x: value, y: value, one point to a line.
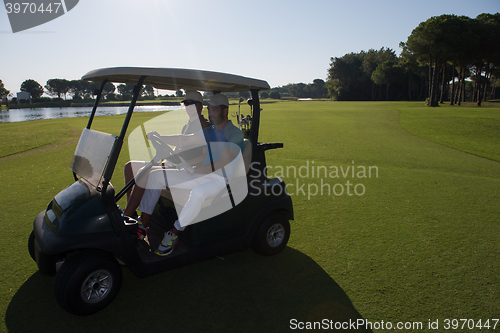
x: 19, y: 115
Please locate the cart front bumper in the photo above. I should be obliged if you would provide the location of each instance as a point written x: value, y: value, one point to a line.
x: 46, y: 263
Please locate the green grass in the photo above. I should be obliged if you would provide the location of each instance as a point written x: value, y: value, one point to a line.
x: 20, y: 137
x: 473, y: 130
x: 421, y: 242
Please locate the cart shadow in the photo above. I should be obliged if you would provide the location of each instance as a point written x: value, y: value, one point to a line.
x: 242, y: 291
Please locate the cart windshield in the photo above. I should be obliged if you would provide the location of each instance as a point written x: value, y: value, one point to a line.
x: 92, y: 155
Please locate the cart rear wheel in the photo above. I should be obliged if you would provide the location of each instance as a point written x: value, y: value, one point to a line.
x: 87, y: 282
x: 273, y: 234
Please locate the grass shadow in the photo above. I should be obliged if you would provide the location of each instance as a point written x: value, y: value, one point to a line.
x: 242, y: 292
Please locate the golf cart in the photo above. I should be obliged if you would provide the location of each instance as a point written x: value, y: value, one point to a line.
x: 82, y: 237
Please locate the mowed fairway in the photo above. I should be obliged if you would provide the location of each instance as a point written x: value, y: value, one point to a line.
x: 411, y: 235
x: 422, y: 242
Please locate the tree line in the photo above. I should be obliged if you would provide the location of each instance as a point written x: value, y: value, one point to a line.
x: 316, y: 89
x: 78, y: 90
x: 443, y: 49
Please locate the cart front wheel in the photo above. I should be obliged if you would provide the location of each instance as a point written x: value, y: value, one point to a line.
x: 87, y: 282
x: 31, y: 245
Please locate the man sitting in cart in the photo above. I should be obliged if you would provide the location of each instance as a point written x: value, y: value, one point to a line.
x: 209, y: 177
x: 196, y: 123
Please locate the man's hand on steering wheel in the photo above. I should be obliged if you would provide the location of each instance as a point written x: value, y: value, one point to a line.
x: 163, y: 150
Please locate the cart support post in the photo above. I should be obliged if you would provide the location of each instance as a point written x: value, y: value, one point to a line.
x: 115, y: 152
x: 96, y: 103
x: 254, y: 131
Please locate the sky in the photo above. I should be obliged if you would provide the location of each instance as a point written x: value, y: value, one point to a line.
x: 280, y: 41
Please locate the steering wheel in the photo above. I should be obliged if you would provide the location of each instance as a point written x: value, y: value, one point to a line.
x: 164, y: 151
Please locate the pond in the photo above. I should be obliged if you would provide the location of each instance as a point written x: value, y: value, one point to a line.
x: 19, y: 115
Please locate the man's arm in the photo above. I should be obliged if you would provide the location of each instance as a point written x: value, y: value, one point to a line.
x: 179, y: 139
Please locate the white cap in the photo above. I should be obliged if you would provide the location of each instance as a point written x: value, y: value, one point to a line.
x: 193, y: 95
x: 218, y: 99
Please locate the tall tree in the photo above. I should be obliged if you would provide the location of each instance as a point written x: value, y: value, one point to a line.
x: 147, y: 91
x: 479, y: 28
x: 318, y: 89
x: 79, y: 88
x: 371, y: 60
x: 349, y: 77
x: 33, y: 87
x: 428, y: 43
x: 126, y: 90
x: 460, y: 45
x: 3, y: 92
x: 109, y: 88
x: 449, y: 30
x: 387, y: 73
x: 410, y: 65
x: 463, y: 42
x: 343, y: 78
x: 487, y: 26
x: 58, y: 87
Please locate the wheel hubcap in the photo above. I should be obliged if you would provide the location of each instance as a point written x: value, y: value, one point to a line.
x: 96, y: 286
x: 275, y: 235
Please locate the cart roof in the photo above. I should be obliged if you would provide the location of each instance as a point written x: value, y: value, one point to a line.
x: 177, y: 78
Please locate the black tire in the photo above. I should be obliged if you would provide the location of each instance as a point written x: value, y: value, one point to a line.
x: 31, y: 245
x: 272, y: 235
x: 87, y: 282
